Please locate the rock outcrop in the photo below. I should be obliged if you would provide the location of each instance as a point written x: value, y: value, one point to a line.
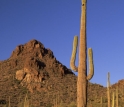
x: 33, y: 68
x: 37, y: 62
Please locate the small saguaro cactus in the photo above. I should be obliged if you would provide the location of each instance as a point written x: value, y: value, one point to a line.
x: 117, y: 96
x: 108, y: 89
x: 101, y: 102
x: 113, y: 100
x: 82, y: 68
x: 9, y: 102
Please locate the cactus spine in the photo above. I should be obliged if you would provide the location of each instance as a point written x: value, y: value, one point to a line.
x: 82, y: 68
x: 108, y: 88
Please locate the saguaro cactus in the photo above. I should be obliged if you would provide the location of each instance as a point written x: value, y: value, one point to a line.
x: 101, y: 103
x: 113, y: 100
x: 9, y: 102
x: 108, y: 88
x: 117, y: 96
x: 82, y: 68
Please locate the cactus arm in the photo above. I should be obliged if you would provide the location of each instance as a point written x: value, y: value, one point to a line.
x: 73, y: 56
x: 91, y: 66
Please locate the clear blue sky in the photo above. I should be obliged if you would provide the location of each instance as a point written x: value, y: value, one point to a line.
x: 55, y: 22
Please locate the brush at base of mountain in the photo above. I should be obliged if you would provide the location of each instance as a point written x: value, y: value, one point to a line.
x: 2, y: 102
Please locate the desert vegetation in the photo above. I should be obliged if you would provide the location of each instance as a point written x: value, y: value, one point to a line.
x: 97, y: 99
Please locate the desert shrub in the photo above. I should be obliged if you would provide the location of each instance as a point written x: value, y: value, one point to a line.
x: 24, y: 102
x: 21, y: 104
x: 62, y: 105
x: 4, y: 106
x: 72, y: 104
x: 49, y: 105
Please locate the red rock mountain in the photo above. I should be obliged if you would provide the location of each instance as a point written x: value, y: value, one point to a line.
x: 34, y: 68
x: 37, y: 64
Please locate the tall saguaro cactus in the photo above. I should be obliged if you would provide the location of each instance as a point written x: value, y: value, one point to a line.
x: 82, y: 68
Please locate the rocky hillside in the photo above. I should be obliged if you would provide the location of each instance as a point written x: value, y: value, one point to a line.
x: 34, y: 71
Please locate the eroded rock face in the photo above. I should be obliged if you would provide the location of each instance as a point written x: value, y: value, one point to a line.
x: 32, y: 62
x: 37, y: 64
x: 33, y: 47
x: 30, y: 75
x: 30, y: 78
